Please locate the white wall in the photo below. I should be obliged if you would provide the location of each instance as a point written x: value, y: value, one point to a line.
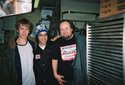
x: 9, y: 23
x: 79, y: 6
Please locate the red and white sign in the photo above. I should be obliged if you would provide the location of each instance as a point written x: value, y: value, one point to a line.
x: 37, y: 56
x: 68, y: 52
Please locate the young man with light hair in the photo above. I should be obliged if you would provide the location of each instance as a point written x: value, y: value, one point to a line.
x: 17, y: 59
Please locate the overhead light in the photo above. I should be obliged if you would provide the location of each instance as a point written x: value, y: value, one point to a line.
x: 36, y: 3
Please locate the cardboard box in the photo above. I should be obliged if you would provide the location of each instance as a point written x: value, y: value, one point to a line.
x: 111, y: 7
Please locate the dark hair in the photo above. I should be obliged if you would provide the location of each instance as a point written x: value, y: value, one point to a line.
x: 24, y: 21
x: 37, y: 40
x: 70, y: 22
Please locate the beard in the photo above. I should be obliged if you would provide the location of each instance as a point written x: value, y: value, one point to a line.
x: 67, y: 37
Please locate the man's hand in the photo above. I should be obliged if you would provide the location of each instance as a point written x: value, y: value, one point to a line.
x: 59, y: 79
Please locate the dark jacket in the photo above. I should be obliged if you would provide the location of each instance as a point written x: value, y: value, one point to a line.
x: 43, y: 66
x: 80, y: 65
x: 10, y: 64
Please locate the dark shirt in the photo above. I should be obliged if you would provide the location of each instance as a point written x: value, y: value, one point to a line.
x: 10, y: 64
x: 64, y: 51
x: 43, y: 66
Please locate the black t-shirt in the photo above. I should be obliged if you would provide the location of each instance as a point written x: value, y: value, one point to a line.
x: 65, y: 52
x: 43, y: 66
x: 42, y: 60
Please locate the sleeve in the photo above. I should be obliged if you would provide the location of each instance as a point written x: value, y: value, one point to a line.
x: 55, y: 51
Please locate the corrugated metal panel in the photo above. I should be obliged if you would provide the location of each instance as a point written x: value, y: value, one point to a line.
x: 105, y: 55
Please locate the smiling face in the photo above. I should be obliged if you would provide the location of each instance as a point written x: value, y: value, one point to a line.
x: 65, y: 30
x: 42, y: 38
x: 23, y: 31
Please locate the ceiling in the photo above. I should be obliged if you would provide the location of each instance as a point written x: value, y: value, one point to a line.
x: 53, y: 2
